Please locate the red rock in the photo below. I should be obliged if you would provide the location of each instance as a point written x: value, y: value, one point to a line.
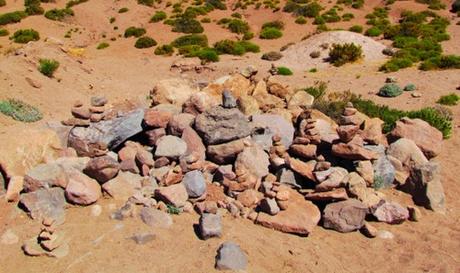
x: 102, y: 168
x: 82, y: 190
x: 81, y: 112
x: 15, y: 186
x: 144, y: 157
x: 157, y: 119
x: 347, y: 132
x: 175, y: 195
x: 129, y: 165
x: 123, y: 186
x: 305, y: 169
x: 226, y: 152
x: 179, y: 122
x: 154, y: 135
x: 391, y: 213
x: 194, y: 143
x: 304, y: 151
x: 353, y: 152
x: 426, y: 137
x: 372, y: 132
x: 250, y: 198
x: 300, y: 218
x: 334, y: 195
x: 127, y: 153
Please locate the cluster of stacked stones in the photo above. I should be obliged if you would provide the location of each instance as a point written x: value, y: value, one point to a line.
x: 264, y: 155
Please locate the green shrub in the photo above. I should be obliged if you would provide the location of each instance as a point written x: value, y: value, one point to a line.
x: 331, y: 16
x: 48, y: 66
x: 313, y: 70
x: 187, y: 25
x: 318, y: 91
x: 347, y: 17
x: 217, y: 4
x: 390, y: 90
x: 229, y: 47
x: 145, y: 2
x: 341, y: 54
x: 272, y: 56
x: 145, y: 42
x: 207, y: 55
x: 191, y: 39
x: 134, y: 32
x: 248, y: 35
x: 238, y: 26
x: 158, y: 16
x: 19, y: 110
x: 319, y: 20
x: 123, y: 10
x: 249, y: 47
x: 2, y: 3
x: 284, y: 71
x: 112, y: 20
x: 24, y: 36
x: 373, y: 32
x: 455, y: 6
x: 4, y: 32
x: 410, y: 87
x: 33, y: 7
x: 237, y: 15
x: 441, y: 62
x: 102, y: 45
x: 164, y: 50
x: 433, y: 4
x: 300, y: 20
x: 58, y: 14
x: 206, y: 20
x: 274, y: 24
x: 72, y: 3
x: 270, y: 33
x: 12, y: 17
x: 356, y: 28
x: 356, y: 4
x: 395, y: 64
x: 451, y: 99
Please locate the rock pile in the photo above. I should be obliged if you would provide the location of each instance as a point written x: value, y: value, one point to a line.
x: 286, y: 166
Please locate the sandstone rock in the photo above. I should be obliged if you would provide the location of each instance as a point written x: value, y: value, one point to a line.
x: 250, y: 198
x: 171, y: 147
x: 334, y: 195
x: 372, y: 132
x: 344, y: 216
x: 369, y: 230
x: 174, y: 91
x: 366, y: 171
x: 157, y: 119
x: 178, y: 123
x: 300, y: 218
x: 406, y: 151
x: 122, y: 186
x: 305, y: 169
x: 249, y: 71
x: 175, y: 195
x: 155, y: 218
x: 304, y: 151
x: 194, y: 183
x: 102, y: 168
x: 277, y: 124
x: 210, y: 225
x: 45, y: 203
x: 200, y: 102
x: 301, y: 99
x: 269, y: 206
x: 267, y: 101
x: 108, y: 134
x: 357, y: 188
x: 353, y: 152
x: 44, y: 176
x: 334, y: 180
x: 81, y: 112
x: 194, y: 143
x: 98, y: 100
x: 254, y: 160
x: 275, y: 87
x: 15, y: 186
x: 230, y: 257
x: 391, y: 213
x: 154, y: 135
x: 426, y: 137
x: 248, y: 105
x: 226, y: 152
x: 288, y: 177
x: 82, y: 190
x: 219, y: 125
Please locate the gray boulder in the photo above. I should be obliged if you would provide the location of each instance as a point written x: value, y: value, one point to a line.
x: 426, y: 187
x: 231, y: 257
x: 210, y: 225
x: 170, y: 146
x: 276, y: 125
x: 45, y: 203
x: 194, y: 183
x: 344, y: 216
x: 384, y: 171
x: 155, y: 218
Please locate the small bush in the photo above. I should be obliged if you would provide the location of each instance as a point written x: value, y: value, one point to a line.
x: 390, y: 90
x: 206, y: 20
x: 272, y: 56
x: 455, y: 6
x: 187, y: 25
x: 207, y: 55
x: 356, y: 28
x: 229, y: 47
x: 24, y: 36
x: 300, y: 20
x: 191, y: 39
x: 123, y: 10
x: 284, y: 71
x: 145, y: 42
x: 112, y: 20
x: 248, y: 35
x: 158, y: 16
x: 145, y: 2
x: 134, y: 32
x: 315, y: 54
x: 441, y: 62
x: 58, y: 14
x: 250, y: 47
x: 4, y: 32
x: 395, y: 64
x: 270, y: 33
x: 102, y: 45
x: 19, y: 110
x: 2, y: 3
x: 217, y: 4
x: 48, y: 66
x: 238, y: 26
x: 348, y: 16
x: 274, y: 24
x: 313, y: 70
x: 373, y: 32
x: 32, y: 7
x: 318, y: 91
x: 164, y: 50
x: 341, y: 54
x: 12, y: 17
x: 451, y: 99
x: 410, y: 87
x: 72, y: 3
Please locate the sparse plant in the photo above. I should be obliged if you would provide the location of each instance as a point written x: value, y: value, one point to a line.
x: 134, y: 32
x: 356, y: 28
x: 72, y: 3
x: 410, y: 87
x: 272, y: 56
x: 238, y: 26
x: 102, y: 45
x: 274, y: 24
x: 4, y: 32
x: 318, y: 90
x: 158, y: 16
x: 145, y: 2
x: 112, y: 20
x: 48, y: 66
x: 300, y: 20
x: 58, y: 14
x: 187, y: 25
x: 313, y: 70
x: 284, y: 71
x: 12, y: 17
x: 164, y: 50
x: 270, y: 33
x: 24, y: 36
x: 123, y: 10
x: 451, y: 99
x: 191, y: 39
x: 145, y: 42
x: 390, y: 90
x: 341, y: 54
x: 19, y: 110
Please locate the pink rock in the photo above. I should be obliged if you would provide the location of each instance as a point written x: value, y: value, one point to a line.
x: 15, y: 186
x: 250, y: 198
x: 194, y: 143
x: 179, y: 122
x: 391, y: 213
x: 157, y: 119
x: 305, y: 169
x: 336, y: 195
x: 154, y: 135
x: 353, y: 152
x: 175, y: 195
x: 82, y: 190
x: 304, y: 151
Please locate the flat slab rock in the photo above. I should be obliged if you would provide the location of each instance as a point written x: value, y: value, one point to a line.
x: 45, y: 203
x: 108, y: 134
x: 300, y: 218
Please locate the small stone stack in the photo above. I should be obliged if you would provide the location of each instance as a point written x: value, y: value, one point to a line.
x: 50, y: 242
x: 307, y: 132
x: 278, y: 152
x: 83, y: 116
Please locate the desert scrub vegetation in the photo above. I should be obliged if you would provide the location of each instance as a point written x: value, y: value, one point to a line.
x: 390, y: 90
x: 235, y: 47
x: 356, y: 28
x: 187, y: 25
x: 145, y: 2
x: 158, y: 16
x: 450, y: 100
x: 191, y: 39
x: 19, y: 110
x: 12, y: 17
x: 318, y: 90
x: 433, y: 4
x: 441, y: 62
x: 58, y: 14
x: 166, y: 50
x: 356, y: 4
x: 134, y: 32
x: 47, y: 67
x: 23, y: 36
x: 272, y: 56
x: 2, y: 3
x: 333, y: 104
x: 301, y: 20
x: 270, y: 33
x: 33, y: 7
x: 74, y: 3
x: 4, y: 32
x: 123, y: 10
x: 238, y: 26
x: 145, y: 42
x: 303, y: 8
x: 341, y: 54
x: 102, y: 45
x: 410, y: 87
x: 455, y: 6
x: 284, y: 71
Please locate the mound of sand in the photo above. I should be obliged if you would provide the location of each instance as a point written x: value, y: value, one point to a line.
x: 298, y: 56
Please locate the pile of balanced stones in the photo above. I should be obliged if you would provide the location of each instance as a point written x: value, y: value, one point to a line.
x: 240, y: 147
